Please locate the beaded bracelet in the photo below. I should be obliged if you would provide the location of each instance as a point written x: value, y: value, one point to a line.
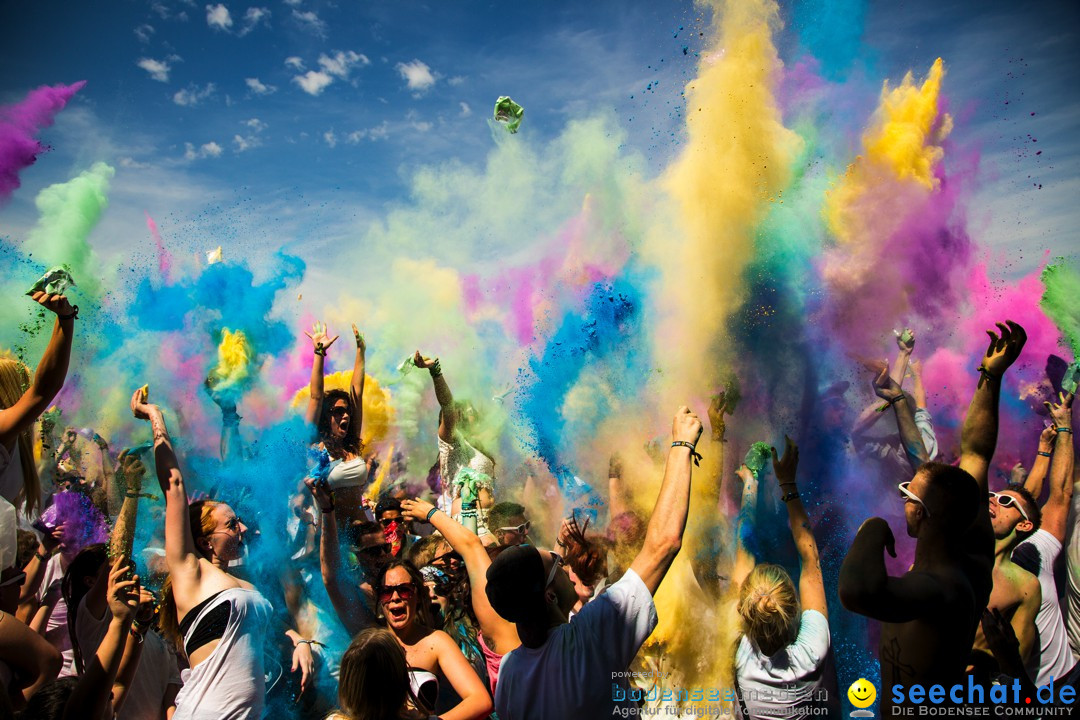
x: 794, y: 495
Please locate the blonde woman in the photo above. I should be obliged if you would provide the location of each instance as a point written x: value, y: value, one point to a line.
x: 782, y: 658
x: 22, y: 401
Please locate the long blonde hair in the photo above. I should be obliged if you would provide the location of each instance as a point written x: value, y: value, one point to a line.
x: 769, y: 608
x: 14, y: 381
x: 201, y: 517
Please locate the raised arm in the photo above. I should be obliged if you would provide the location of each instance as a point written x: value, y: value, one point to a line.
x: 811, y: 584
x: 744, y: 558
x: 1033, y: 483
x: 663, y: 537
x: 346, y: 597
x: 442, y: 394
x: 1055, y: 511
x: 475, y: 700
x: 180, y: 553
x: 50, y: 374
x: 867, y: 588
x: 889, y: 390
x: 91, y: 695
x: 320, y: 344
x: 500, y: 635
x: 130, y: 473
x: 356, y: 388
x: 979, y: 435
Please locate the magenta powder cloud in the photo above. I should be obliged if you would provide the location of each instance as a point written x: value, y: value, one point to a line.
x: 19, y: 126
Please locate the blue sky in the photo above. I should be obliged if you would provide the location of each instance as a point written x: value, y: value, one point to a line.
x: 254, y: 124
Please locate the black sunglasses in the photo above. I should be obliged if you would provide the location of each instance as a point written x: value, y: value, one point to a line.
x: 339, y: 410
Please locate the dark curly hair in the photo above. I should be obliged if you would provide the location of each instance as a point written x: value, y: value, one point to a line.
x: 338, y: 447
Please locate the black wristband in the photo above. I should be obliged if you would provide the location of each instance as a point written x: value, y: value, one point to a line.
x: 794, y: 495
x: 431, y: 514
x: 72, y: 315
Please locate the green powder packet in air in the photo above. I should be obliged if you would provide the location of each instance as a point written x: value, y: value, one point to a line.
x: 1071, y: 379
x: 508, y: 113
x: 759, y: 454
x: 406, y: 365
x: 55, y: 281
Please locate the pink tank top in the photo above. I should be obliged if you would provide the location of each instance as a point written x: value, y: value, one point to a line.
x: 492, y: 660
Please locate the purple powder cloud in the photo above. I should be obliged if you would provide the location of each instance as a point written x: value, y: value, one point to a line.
x: 19, y: 126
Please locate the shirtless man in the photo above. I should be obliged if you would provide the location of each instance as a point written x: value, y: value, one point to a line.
x: 1014, y: 515
x: 930, y: 613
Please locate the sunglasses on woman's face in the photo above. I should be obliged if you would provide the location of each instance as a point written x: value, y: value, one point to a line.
x: 405, y: 591
x: 339, y: 411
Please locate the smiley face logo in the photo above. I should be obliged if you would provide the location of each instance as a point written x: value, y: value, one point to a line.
x: 862, y: 693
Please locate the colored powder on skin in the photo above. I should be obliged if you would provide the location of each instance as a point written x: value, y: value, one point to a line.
x: 19, y: 126
x: 1061, y: 302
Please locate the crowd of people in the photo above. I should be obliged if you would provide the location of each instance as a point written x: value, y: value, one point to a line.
x: 451, y: 603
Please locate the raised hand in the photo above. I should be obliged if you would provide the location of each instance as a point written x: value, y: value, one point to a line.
x: 140, y: 407
x: 56, y: 303
x: 130, y: 470
x: 905, y: 340
x: 786, y: 467
x: 1061, y: 412
x: 360, y: 344
x: 1017, y: 474
x: 1003, y: 349
x: 122, y: 595
x: 320, y: 490
x: 320, y: 339
x: 686, y: 426
x: 416, y: 510
x: 424, y: 362
x: 885, y: 387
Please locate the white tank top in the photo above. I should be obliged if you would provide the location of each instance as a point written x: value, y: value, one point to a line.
x: 230, y: 684
x: 347, y: 473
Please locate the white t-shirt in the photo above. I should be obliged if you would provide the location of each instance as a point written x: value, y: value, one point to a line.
x: 1055, y: 657
x: 798, y: 676
x: 56, y: 630
x: 570, y: 676
x: 157, y: 667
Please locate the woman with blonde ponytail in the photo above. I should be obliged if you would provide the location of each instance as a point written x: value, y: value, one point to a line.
x: 782, y: 659
x: 23, y: 400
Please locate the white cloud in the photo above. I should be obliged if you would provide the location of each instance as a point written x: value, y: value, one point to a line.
x: 311, y: 21
x: 294, y: 3
x: 193, y: 95
x: 132, y: 163
x: 418, y: 76
x: 313, y: 82
x: 158, y: 69
x: 456, y: 80
x: 253, y: 17
x: 340, y: 63
x: 210, y: 149
x: 244, y: 143
x: 294, y: 62
x: 218, y: 17
x: 256, y: 124
x: 143, y: 32
x: 257, y: 87
x: 466, y: 111
x: 379, y: 132
x: 330, y: 138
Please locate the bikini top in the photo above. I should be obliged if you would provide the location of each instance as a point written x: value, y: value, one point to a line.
x: 210, y: 628
x: 425, y: 687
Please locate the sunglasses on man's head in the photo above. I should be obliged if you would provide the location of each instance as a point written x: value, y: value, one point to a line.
x: 405, y: 591
x: 1007, y: 501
